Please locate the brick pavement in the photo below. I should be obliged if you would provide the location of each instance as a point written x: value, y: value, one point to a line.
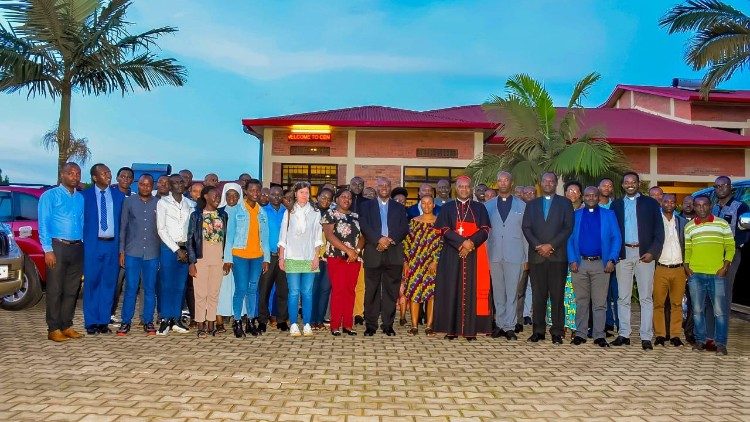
x: 274, y: 377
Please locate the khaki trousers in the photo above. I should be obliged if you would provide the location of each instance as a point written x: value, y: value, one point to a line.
x: 359, y: 291
x: 668, y: 282
x: 207, y: 281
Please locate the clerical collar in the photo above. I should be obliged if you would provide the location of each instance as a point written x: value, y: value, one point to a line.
x: 592, y: 209
x: 463, y: 201
x: 548, y: 197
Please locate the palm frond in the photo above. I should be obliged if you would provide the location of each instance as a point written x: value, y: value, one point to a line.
x: 582, y: 88
x: 144, y: 40
x: 717, y: 44
x: 484, y: 168
x: 587, y: 160
x: 701, y: 14
x: 723, y: 70
x: 73, y: 148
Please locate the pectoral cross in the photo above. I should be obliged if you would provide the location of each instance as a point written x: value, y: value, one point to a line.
x: 460, y: 229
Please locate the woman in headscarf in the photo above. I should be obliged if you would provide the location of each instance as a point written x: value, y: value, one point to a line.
x: 231, y: 195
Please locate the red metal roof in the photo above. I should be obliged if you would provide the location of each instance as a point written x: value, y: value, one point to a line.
x: 728, y: 96
x: 371, y: 116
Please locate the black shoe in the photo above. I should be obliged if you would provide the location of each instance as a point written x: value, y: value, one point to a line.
x: 471, y: 339
x: 348, y: 332
x: 335, y: 333
x: 262, y: 326
x: 149, y: 329
x: 163, y: 328
x: 369, y: 332
x: 721, y: 350
x: 246, y: 323
x: 498, y: 332
x: 690, y: 339
x: 92, y: 330
x: 282, y: 326
x: 510, y: 335
x: 402, y: 322
x: 237, y: 329
x: 608, y: 334
x: 359, y: 320
x: 676, y: 342
x: 578, y: 340
x: 590, y: 333
x: 699, y: 347
x: 389, y: 331
x: 104, y: 329
x: 660, y: 341
x: 621, y: 341
x: 601, y: 342
x: 646, y: 344
x: 518, y: 328
x: 609, y: 327
x: 527, y: 320
x: 123, y: 330
x: 178, y: 327
x: 450, y: 337
x: 535, y: 338
x: 252, y: 329
x: 557, y: 340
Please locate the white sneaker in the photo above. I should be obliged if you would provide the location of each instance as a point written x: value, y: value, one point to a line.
x: 294, y: 330
x: 307, y: 331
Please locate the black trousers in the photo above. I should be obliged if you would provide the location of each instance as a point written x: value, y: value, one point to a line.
x: 190, y: 297
x: 548, y: 281
x: 381, y: 293
x: 274, y: 276
x: 63, y: 283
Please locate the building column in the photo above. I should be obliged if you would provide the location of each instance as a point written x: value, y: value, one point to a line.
x: 350, y: 154
x: 747, y: 162
x: 267, y: 164
x: 653, y: 166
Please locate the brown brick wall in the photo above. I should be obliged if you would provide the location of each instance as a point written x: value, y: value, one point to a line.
x: 404, y: 144
x: 338, y: 143
x: 341, y: 175
x: 369, y: 173
x: 721, y: 113
x: 682, y: 109
x: 276, y: 173
x: 701, y: 162
x: 650, y: 102
x: 496, y: 149
x: 638, y: 157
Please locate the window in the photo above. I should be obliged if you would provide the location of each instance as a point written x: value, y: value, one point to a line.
x: 415, y: 176
x: 316, y: 174
x: 27, y: 207
x: 6, y: 207
x: 736, y: 130
x: 437, y: 153
x: 303, y: 150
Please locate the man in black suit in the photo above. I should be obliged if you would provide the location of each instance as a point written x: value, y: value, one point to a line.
x: 384, y: 225
x: 547, y: 224
x: 642, y: 231
x: 416, y: 209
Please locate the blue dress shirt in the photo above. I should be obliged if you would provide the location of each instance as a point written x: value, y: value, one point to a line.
x: 110, y: 232
x: 546, y: 204
x: 60, y: 216
x: 590, y: 236
x: 274, y: 225
x: 383, y: 217
x: 631, y: 219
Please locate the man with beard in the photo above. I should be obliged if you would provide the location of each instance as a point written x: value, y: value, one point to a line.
x: 547, y: 224
x: 687, y: 208
x: 462, y: 284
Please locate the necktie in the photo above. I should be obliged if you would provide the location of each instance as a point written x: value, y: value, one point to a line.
x: 103, y: 216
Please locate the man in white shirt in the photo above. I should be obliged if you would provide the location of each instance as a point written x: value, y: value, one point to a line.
x: 172, y: 216
x: 669, y: 274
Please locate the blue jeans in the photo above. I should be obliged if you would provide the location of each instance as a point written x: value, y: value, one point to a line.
x: 246, y: 276
x: 300, y: 283
x: 612, y: 302
x: 713, y: 287
x: 321, y: 294
x: 137, y: 269
x: 172, y: 278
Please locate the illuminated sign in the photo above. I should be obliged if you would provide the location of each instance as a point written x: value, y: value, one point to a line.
x: 309, y: 137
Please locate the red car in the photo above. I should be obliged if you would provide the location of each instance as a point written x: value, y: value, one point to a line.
x: 18, y: 209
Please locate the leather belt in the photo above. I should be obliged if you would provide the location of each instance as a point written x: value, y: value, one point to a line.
x: 669, y: 266
x: 632, y: 245
x: 591, y: 258
x: 106, y: 239
x: 68, y: 242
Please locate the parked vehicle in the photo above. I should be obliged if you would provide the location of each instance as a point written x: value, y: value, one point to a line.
x: 12, y: 263
x: 18, y: 210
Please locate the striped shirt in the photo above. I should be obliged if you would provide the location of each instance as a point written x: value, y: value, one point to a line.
x: 708, y: 243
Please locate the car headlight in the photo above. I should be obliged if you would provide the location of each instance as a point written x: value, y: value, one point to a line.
x: 745, y: 221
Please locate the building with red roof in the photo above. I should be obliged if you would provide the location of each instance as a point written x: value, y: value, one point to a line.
x: 672, y: 136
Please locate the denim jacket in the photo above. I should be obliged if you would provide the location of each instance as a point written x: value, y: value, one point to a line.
x: 237, y: 227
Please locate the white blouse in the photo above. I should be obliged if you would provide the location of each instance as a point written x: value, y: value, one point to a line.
x: 301, y: 233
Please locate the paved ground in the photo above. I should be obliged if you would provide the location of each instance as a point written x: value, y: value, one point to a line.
x: 274, y: 377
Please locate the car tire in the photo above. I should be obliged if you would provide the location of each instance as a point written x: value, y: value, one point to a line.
x: 30, y: 292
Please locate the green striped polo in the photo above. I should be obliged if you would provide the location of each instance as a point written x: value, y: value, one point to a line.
x: 708, y: 243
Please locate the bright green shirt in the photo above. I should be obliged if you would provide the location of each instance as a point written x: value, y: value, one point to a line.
x: 708, y: 243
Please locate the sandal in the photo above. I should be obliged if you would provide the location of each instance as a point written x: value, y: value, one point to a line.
x: 414, y: 331
x: 429, y: 331
x: 202, y: 333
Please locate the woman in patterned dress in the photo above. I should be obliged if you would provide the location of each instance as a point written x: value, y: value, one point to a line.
x: 421, y: 249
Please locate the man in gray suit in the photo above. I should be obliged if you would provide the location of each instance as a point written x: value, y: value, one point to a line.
x: 507, y: 249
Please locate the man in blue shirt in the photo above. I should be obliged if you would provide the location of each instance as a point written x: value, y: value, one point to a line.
x: 593, y: 249
x: 101, y: 234
x: 274, y: 276
x: 61, y: 234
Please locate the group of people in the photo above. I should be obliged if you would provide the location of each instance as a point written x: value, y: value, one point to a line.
x: 263, y: 256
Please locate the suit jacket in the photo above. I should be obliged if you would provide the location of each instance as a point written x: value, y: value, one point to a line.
x: 398, y: 228
x: 554, y: 230
x: 91, y: 214
x: 609, y: 235
x: 505, y: 236
x: 650, y: 226
x: 413, y: 211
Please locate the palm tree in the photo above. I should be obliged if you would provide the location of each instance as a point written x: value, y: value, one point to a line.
x: 539, y: 138
x: 57, y: 47
x: 75, y: 149
x: 721, y: 41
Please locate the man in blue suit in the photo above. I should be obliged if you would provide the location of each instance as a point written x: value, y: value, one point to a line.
x: 593, y: 249
x: 416, y: 209
x: 101, y: 240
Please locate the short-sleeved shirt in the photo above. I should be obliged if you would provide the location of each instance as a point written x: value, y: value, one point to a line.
x: 345, y: 228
